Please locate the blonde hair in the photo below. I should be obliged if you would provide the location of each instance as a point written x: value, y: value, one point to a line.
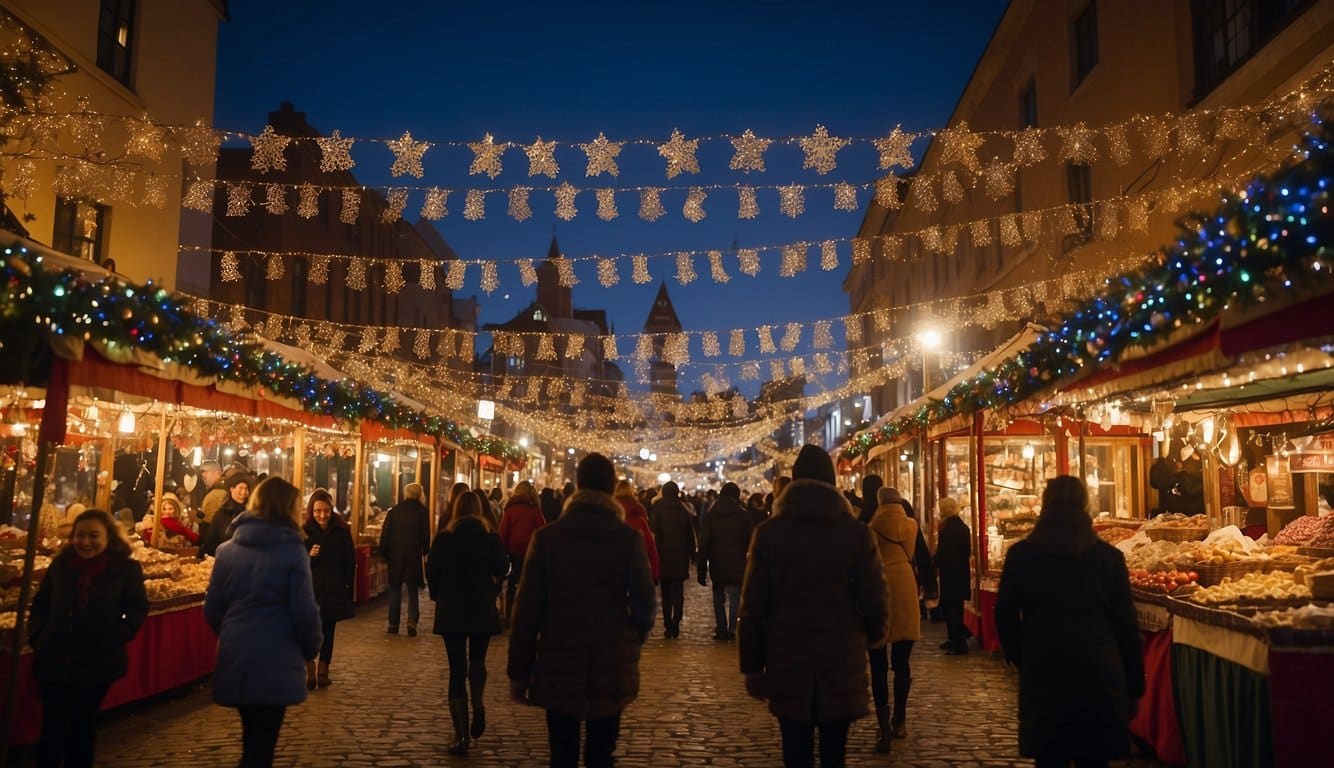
x: 526, y: 493
x: 277, y: 500
x: 412, y: 491
x: 625, y: 490
x: 948, y: 508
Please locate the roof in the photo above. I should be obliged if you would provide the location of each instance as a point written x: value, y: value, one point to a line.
x: 662, y: 316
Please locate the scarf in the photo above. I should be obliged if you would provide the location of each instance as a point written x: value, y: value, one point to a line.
x: 86, y: 571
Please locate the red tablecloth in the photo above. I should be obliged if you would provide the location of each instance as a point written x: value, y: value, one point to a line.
x: 1300, y: 682
x: 1156, y: 722
x: 172, y: 649
x: 980, y: 618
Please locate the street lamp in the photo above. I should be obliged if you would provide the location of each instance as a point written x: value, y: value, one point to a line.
x: 928, y: 340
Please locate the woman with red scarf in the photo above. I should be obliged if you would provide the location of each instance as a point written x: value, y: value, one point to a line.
x: 89, y: 606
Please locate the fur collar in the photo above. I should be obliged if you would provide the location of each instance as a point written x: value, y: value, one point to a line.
x: 811, y: 500
x: 600, y: 502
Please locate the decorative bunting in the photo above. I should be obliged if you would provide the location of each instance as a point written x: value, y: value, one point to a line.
x: 766, y: 333
x: 641, y: 275
x: 845, y: 197
x: 351, y: 206
x: 791, y: 200
x: 319, y: 271
x: 1028, y: 149
x: 1157, y: 140
x: 393, y: 277
x: 519, y: 209
x: 395, y: 203
x: 574, y: 347
x: 750, y: 371
x: 606, y: 204
x: 685, y: 268
x: 823, y: 337
x: 275, y: 199
x: 490, y: 281
x: 852, y: 330
x: 565, y: 195
x: 199, y: 197
x: 644, y: 348
x: 199, y: 144
x: 426, y: 275
x: 474, y: 205
x: 791, y: 337
x: 736, y: 344
x: 861, y: 251
x: 1077, y: 144
x: 999, y: 179
x: 709, y: 341
x: 546, y: 347
x: 1009, y: 227
x: 607, y: 276
x: 267, y: 151
x: 407, y: 156
x: 693, y: 210
x: 368, y: 340
x: 230, y: 267
x: 542, y: 158
x: 565, y: 272
x: 238, y: 198
x: 609, y: 351
x: 749, y: 259
x: 716, y: 268
x: 455, y: 274
x: 675, y: 349
x: 950, y: 188
x: 356, y: 275
x: 776, y: 372
x: 923, y: 195
x: 650, y: 204
x: 1118, y: 146
x: 273, y: 269
x: 887, y: 193
x: 145, y: 140
x: 749, y: 152
x: 434, y: 206
x: 421, y: 347
x: 748, y: 207
x: 793, y: 261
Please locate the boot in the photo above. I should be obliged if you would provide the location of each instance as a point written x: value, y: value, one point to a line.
x: 477, y: 684
x: 901, y: 688
x: 882, y: 730
x: 322, y: 675
x: 310, y: 676
x: 478, y: 718
x: 458, y: 712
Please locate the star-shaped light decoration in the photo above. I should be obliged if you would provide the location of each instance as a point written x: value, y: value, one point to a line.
x: 199, y: 143
x: 959, y: 145
x: 407, y: 155
x: 1077, y: 144
x: 602, y: 156
x: 335, y: 153
x: 268, y: 151
x: 895, y: 149
x: 821, y: 150
x: 486, y: 156
x: 146, y: 139
x: 1028, y: 149
x: 542, y: 158
x: 565, y: 195
x: 680, y: 154
x: 749, y: 152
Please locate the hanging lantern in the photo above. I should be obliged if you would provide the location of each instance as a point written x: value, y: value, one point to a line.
x: 125, y: 424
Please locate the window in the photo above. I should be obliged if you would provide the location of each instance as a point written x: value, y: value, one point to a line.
x: 539, y: 315
x: 1085, y: 44
x: 115, y: 38
x: 80, y: 229
x: 1228, y: 32
x: 1079, y: 185
x: 300, y: 272
x: 1028, y: 105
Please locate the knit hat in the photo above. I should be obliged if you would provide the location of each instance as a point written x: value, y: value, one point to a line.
x: 813, y: 463
x: 595, y: 473
x: 236, y: 478
x: 671, y: 490
x: 730, y: 489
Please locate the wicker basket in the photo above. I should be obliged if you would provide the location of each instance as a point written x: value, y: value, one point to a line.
x: 1211, y: 575
x: 1176, y: 534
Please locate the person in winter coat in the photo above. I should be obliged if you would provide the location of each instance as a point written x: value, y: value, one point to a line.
x: 454, y: 493
x: 1065, y: 619
x: 674, y: 533
x: 637, y: 518
x: 209, y: 481
x: 724, y: 539
x: 404, y: 541
x: 584, y: 607
x: 953, y: 549
x: 489, y: 510
x: 550, y: 506
x: 88, y: 607
x: 169, y: 512
x: 926, y: 572
x: 871, y: 485
x: 895, y: 534
x: 238, y: 485
x: 463, y: 573
x: 261, y: 603
x: 758, y: 511
x: 812, y: 601
x: 523, y: 515
x: 333, y: 571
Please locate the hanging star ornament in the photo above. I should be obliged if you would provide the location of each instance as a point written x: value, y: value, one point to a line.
x: 268, y: 149
x: 680, y: 154
x: 749, y: 152
x: 959, y: 145
x: 895, y: 149
x: 335, y: 153
x: 407, y: 155
x: 542, y: 158
x: 602, y: 156
x: 486, y: 156
x: 821, y: 150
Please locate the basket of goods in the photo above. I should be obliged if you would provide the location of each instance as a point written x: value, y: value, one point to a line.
x: 1215, y: 562
x: 1177, y: 527
x: 1312, y: 535
x: 1275, y: 588
x: 1115, y: 533
x: 1158, y: 583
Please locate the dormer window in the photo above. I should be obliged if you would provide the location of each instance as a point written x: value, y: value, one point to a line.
x: 539, y: 315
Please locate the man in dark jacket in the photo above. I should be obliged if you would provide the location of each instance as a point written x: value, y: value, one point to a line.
x: 584, y: 606
x: 953, y: 548
x: 674, y: 534
x: 237, y: 485
x: 724, y: 538
x: 404, y: 541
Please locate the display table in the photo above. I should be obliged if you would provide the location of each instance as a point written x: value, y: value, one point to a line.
x: 1156, y: 723
x: 979, y: 615
x: 372, y: 575
x: 174, y: 647
x: 1220, y: 676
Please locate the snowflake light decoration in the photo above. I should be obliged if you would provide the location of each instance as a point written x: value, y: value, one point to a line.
x: 1077, y: 144
x: 998, y: 177
x: 199, y: 197
x: 821, y: 150
x: 268, y: 148
x: 1028, y: 149
x: 146, y: 139
x: 199, y: 143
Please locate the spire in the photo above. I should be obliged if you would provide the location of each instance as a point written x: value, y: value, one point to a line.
x: 662, y: 316
x: 554, y: 251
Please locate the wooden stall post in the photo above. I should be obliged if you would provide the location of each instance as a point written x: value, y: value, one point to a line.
x: 160, y: 475
x: 356, y: 502
x: 299, y: 458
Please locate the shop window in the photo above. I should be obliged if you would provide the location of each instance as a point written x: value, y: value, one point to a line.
x: 1079, y: 185
x: 115, y: 38
x: 300, y: 272
x: 1028, y: 105
x: 1228, y: 32
x: 80, y: 229
x: 1084, y: 51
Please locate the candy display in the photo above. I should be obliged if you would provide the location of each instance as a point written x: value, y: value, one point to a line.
x: 1276, y: 586
x: 1308, y: 531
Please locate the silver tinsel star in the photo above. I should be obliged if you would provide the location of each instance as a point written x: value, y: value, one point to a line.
x: 680, y: 154
x: 486, y: 156
x: 542, y: 158
x: 602, y: 156
x: 821, y: 150
x: 749, y: 152
x: 959, y: 145
x: 407, y: 155
x: 268, y: 151
x: 895, y: 149
x: 335, y: 153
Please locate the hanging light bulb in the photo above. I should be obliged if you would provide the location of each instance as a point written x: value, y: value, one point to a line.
x: 1229, y: 451
x: 91, y: 413
x: 125, y: 424
x: 1207, y: 430
x: 1027, y: 451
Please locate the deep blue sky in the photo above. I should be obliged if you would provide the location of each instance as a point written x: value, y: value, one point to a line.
x: 457, y: 70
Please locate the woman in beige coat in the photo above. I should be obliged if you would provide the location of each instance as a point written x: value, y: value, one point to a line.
x: 895, y: 537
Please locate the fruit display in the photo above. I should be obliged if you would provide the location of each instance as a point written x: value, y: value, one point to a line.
x: 1276, y: 586
x: 1114, y: 534
x: 1308, y: 531
x: 1161, y: 582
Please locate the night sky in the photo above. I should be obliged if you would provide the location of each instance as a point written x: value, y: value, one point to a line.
x: 455, y: 71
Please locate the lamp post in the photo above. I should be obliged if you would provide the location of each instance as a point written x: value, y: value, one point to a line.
x: 928, y: 340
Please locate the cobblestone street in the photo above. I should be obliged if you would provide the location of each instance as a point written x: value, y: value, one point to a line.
x: 386, y: 708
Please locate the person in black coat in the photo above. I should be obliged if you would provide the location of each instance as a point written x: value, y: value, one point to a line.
x: 404, y: 541
x: 89, y: 606
x: 333, y: 571
x: 723, y: 541
x: 219, y: 529
x: 1065, y: 618
x: 463, y: 573
x: 674, y: 533
x: 871, y: 485
x: 953, y: 548
x: 550, y: 505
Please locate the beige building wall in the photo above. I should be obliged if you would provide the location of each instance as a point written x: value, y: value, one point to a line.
x: 172, y: 77
x: 1145, y: 66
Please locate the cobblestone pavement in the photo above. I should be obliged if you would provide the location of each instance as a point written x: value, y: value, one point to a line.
x: 386, y: 708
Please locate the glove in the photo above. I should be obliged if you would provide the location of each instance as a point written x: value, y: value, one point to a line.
x: 519, y: 692
x: 755, y: 685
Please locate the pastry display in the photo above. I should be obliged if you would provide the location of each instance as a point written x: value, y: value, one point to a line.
x: 1253, y: 588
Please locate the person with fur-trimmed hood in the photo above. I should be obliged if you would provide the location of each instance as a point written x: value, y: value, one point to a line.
x: 812, y: 601
x: 584, y: 607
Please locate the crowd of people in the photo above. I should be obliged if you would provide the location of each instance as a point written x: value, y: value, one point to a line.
x: 822, y: 593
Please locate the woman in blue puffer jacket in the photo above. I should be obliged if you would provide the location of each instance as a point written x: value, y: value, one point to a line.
x: 261, y: 603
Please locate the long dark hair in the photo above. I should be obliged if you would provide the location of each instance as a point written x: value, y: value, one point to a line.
x: 117, y: 544
x: 320, y: 494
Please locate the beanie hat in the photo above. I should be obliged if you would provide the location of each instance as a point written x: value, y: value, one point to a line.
x: 813, y: 463
x: 595, y: 473
x: 236, y: 478
x: 671, y: 490
x: 730, y: 489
